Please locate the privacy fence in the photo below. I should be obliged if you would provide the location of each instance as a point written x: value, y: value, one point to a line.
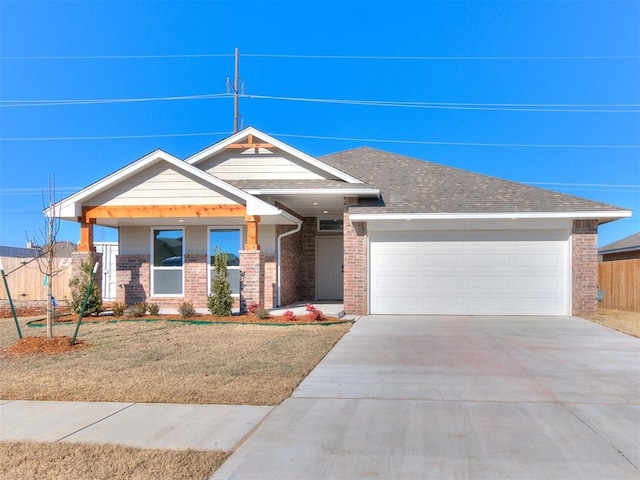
x: 27, y: 282
x: 620, y: 282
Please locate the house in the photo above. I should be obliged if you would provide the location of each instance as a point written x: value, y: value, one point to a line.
x: 624, y: 249
x: 382, y: 232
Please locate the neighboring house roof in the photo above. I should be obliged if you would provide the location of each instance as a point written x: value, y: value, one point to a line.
x: 412, y: 186
x: 630, y: 243
x: 19, y: 252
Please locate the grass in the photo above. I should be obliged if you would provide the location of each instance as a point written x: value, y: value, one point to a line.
x: 152, y: 362
x: 83, y: 461
x: 623, y: 321
x: 168, y: 362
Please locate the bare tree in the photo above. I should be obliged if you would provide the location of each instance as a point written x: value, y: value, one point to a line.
x: 45, y: 238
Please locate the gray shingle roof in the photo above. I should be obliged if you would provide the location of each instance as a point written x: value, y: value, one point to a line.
x: 632, y: 242
x: 409, y: 185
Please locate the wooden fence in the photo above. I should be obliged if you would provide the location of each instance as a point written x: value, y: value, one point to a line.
x: 620, y: 282
x: 27, y: 282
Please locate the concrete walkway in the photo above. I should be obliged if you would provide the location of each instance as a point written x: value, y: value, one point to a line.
x: 144, y: 425
x: 458, y: 397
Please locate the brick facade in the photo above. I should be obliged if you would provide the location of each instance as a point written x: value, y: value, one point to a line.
x: 132, y: 279
x: 76, y: 260
x: 355, y: 264
x: 196, y: 288
x: 584, y: 260
x: 251, y: 278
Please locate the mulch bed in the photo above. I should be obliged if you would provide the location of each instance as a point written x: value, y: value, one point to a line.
x: 43, y: 345
x: 204, y: 318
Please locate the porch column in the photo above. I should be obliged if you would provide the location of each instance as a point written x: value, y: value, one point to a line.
x: 355, y: 263
x: 252, y: 232
x: 86, y: 237
x: 251, y: 278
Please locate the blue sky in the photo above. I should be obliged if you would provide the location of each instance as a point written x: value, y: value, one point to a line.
x: 546, y: 93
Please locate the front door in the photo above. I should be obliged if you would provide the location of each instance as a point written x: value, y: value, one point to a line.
x: 329, y: 261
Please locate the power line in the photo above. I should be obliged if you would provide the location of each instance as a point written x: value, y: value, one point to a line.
x: 112, y: 137
x: 318, y: 137
x: 462, y: 106
x: 112, y: 57
x: 328, y: 57
x: 463, y: 144
x: 47, y: 103
x: 523, y: 107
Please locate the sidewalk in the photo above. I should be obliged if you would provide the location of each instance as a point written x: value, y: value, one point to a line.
x: 144, y: 425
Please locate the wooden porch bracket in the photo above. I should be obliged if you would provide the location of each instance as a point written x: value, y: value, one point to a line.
x: 250, y: 144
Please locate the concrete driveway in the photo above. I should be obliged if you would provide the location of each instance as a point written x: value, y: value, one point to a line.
x: 458, y: 397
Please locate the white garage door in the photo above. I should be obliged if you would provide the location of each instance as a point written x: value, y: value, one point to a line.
x: 520, y: 272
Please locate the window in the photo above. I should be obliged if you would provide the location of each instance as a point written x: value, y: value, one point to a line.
x: 330, y: 225
x: 229, y: 241
x: 167, y: 251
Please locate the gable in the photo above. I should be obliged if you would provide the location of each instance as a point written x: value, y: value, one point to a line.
x: 261, y: 164
x: 162, y: 184
x: 252, y: 155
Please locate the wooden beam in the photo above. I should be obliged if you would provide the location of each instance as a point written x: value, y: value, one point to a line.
x: 245, y: 146
x: 162, y: 211
x: 86, y: 238
x: 252, y: 232
x: 250, y: 144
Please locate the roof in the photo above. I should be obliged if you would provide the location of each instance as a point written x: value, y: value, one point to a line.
x: 410, y: 185
x: 632, y: 242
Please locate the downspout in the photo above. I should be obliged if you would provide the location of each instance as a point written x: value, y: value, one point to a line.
x: 280, y: 237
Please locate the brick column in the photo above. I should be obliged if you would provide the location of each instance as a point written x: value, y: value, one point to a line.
x: 132, y: 279
x: 251, y: 278
x: 78, y: 257
x: 584, y: 262
x: 355, y: 263
x: 196, y: 289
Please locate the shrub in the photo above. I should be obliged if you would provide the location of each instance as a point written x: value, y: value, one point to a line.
x: 119, y: 309
x: 134, y: 312
x: 79, y: 285
x: 142, y: 308
x: 289, y: 316
x: 220, y: 300
x: 253, y: 307
x: 261, y: 313
x: 186, y: 309
x: 153, y: 309
x: 314, y: 314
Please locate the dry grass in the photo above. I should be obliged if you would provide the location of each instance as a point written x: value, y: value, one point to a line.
x: 76, y: 461
x: 168, y: 362
x: 626, y: 322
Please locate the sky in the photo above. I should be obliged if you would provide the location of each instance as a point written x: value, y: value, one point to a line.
x: 546, y: 92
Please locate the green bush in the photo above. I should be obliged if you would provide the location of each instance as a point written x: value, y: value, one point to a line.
x: 261, y: 313
x: 220, y: 301
x: 79, y: 286
x: 153, y: 309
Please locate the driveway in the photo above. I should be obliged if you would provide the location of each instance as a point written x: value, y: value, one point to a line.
x: 458, y: 397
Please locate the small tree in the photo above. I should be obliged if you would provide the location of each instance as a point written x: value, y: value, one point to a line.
x: 46, y: 240
x: 79, y: 285
x: 220, y: 301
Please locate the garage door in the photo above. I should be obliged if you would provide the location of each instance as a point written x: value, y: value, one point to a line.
x: 498, y: 272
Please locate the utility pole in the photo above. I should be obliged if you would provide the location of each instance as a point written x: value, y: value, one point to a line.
x: 236, y: 113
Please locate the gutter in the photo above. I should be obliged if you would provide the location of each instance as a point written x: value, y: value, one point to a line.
x: 280, y: 237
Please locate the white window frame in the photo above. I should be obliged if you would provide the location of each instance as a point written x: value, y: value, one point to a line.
x: 209, y: 247
x: 153, y: 268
